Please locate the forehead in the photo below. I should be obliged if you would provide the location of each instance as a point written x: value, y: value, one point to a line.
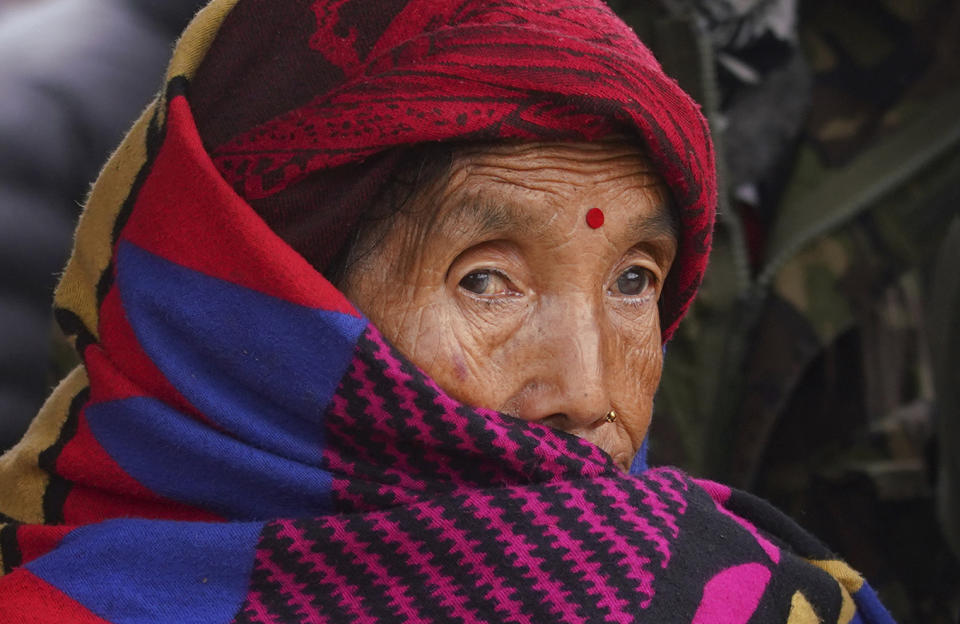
x: 556, y: 167
x: 539, y: 187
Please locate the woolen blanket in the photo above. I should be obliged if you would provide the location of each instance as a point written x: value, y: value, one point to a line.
x: 241, y: 445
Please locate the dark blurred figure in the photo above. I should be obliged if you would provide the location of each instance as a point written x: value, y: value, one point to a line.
x: 943, y: 319
x: 74, y: 74
x: 819, y: 366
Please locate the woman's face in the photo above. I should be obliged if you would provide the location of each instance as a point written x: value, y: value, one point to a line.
x: 495, y: 285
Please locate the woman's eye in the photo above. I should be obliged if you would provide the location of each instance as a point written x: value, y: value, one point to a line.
x: 485, y: 282
x: 476, y: 282
x: 488, y: 283
x: 634, y: 281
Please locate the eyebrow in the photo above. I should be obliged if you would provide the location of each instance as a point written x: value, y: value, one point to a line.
x: 480, y: 217
x: 660, y: 224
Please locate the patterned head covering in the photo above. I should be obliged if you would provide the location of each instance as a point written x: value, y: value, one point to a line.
x: 299, y: 108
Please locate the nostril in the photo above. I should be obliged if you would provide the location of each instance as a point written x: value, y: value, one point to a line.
x: 569, y: 423
x: 556, y: 420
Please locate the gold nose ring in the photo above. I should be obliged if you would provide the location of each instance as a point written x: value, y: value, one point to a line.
x: 611, y: 416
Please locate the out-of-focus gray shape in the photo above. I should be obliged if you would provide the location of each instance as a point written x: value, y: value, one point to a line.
x: 74, y: 74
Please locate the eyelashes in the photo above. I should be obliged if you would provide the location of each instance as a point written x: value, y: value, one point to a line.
x: 635, y: 284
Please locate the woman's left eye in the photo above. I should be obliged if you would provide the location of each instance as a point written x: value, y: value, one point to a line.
x: 634, y: 281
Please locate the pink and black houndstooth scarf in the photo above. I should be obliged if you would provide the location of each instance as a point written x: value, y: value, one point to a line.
x: 241, y: 445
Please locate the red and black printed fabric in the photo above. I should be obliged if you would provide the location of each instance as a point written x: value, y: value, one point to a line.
x: 242, y: 445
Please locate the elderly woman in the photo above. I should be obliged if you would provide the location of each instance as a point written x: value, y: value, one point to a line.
x: 371, y: 306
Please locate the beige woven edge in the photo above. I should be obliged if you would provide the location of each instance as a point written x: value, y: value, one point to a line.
x: 22, y: 481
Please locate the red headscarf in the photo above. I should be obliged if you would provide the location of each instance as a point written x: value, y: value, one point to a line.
x: 299, y: 124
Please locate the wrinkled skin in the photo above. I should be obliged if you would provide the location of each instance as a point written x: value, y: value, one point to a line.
x: 493, y: 283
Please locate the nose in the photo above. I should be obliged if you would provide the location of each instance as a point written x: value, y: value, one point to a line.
x: 567, y: 385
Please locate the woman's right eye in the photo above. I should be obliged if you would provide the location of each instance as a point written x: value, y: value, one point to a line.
x: 477, y: 282
x: 488, y: 283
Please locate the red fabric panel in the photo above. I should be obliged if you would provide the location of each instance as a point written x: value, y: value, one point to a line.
x: 187, y: 214
x: 36, y: 540
x: 25, y: 599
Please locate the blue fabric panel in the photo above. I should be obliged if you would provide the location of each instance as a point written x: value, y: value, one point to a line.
x: 149, y: 572
x: 639, y: 463
x: 181, y: 459
x: 262, y: 368
x: 870, y: 607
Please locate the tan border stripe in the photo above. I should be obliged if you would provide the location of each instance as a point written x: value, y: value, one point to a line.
x: 22, y: 481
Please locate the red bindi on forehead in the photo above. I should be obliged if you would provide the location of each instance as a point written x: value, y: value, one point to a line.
x: 594, y: 218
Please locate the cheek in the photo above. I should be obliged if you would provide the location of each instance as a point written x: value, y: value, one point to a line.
x: 643, y: 363
x: 412, y: 324
x: 462, y: 359
x: 467, y: 350
x: 638, y: 360
x: 452, y: 348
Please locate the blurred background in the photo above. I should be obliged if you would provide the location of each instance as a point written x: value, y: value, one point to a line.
x: 819, y: 366
x: 74, y: 75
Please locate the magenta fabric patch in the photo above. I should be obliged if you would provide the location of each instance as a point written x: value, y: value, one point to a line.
x: 732, y: 596
x: 721, y: 495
